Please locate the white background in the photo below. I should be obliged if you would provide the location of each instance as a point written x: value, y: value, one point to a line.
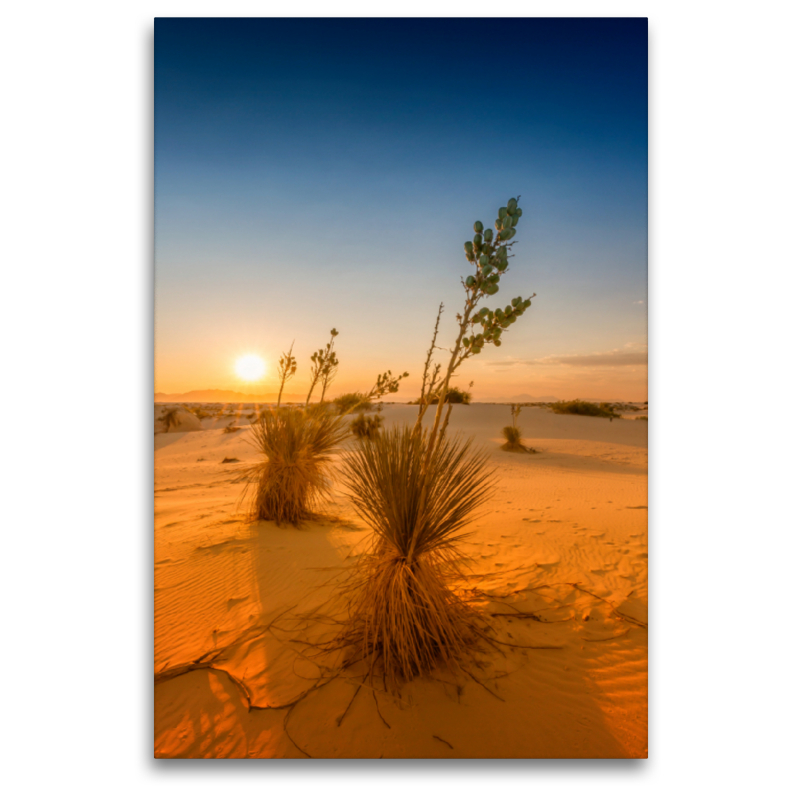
x: 76, y: 189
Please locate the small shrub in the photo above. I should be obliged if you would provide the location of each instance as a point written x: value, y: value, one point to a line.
x: 642, y: 418
x: 352, y: 403
x: 170, y: 419
x: 513, y: 435
x: 231, y: 428
x: 453, y: 395
x: 296, y: 445
x: 404, y: 616
x: 366, y: 427
x: 584, y: 408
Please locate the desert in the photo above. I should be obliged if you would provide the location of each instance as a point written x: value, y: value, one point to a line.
x: 557, y: 564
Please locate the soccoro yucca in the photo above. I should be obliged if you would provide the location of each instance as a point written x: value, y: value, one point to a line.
x: 513, y: 434
x: 297, y: 446
x: 404, y: 616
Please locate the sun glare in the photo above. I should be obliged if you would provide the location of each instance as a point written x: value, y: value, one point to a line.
x: 250, y: 367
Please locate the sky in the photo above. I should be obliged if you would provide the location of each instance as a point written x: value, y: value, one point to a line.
x: 320, y: 173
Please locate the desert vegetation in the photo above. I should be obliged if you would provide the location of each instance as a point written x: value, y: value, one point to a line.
x: 584, y: 408
x: 453, y: 396
x: 404, y: 617
x: 352, y: 402
x: 418, y: 489
x: 513, y: 434
x: 297, y: 445
x: 287, y: 367
x: 366, y: 426
x: 324, y: 366
x: 169, y: 418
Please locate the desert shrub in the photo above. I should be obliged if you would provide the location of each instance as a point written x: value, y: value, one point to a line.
x: 584, y: 408
x: 366, y: 427
x: 417, y: 489
x: 513, y: 434
x: 352, y: 403
x: 513, y: 437
x: 291, y: 480
x: 453, y: 395
x: 169, y: 418
x: 456, y: 395
x: 404, y: 617
x: 231, y: 428
x: 642, y: 418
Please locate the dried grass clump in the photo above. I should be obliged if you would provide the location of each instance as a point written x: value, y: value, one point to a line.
x: 513, y: 437
x: 513, y: 434
x: 584, y: 408
x: 366, y: 427
x: 404, y: 616
x: 352, y: 403
x: 297, y: 444
x: 170, y: 419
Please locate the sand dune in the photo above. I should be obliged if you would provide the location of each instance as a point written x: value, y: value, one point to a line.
x: 564, y: 542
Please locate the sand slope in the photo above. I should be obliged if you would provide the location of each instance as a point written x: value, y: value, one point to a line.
x: 564, y: 541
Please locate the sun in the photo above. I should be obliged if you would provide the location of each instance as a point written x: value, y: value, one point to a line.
x: 250, y: 367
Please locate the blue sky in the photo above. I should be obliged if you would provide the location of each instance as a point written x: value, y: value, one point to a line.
x: 319, y: 173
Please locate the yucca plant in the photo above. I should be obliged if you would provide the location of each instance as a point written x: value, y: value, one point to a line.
x: 513, y: 434
x: 297, y: 446
x: 286, y: 370
x: 365, y: 426
x: 324, y: 366
x: 404, y: 616
x: 418, y: 489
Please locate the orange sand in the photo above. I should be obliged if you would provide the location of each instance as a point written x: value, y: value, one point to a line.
x: 565, y: 539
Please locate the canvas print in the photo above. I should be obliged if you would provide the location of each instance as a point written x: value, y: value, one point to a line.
x: 401, y: 410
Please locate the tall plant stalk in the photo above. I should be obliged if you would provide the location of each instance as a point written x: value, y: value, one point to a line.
x: 287, y: 369
x: 321, y: 364
x: 489, y: 254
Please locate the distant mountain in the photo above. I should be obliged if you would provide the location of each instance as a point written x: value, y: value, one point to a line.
x: 225, y: 396
x: 526, y: 398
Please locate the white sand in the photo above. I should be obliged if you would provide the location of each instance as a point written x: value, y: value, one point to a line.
x: 565, y: 539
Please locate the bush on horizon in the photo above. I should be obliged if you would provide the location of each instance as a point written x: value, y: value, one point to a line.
x: 453, y: 395
x: 584, y: 408
x: 352, y: 403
